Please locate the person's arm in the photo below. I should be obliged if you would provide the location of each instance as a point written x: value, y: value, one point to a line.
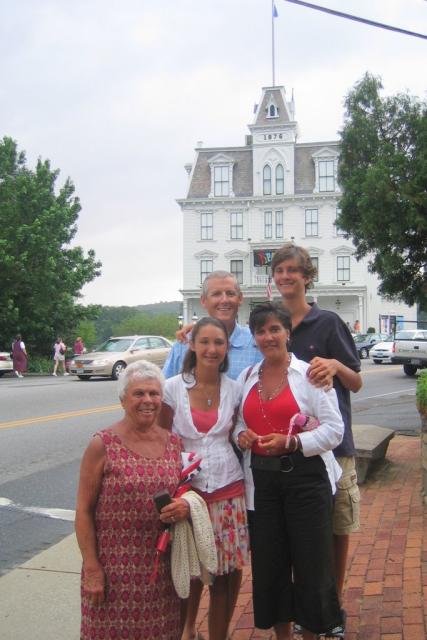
x: 91, y: 473
x: 173, y: 364
x: 323, y: 370
x: 342, y: 360
x: 182, y: 334
x: 329, y: 434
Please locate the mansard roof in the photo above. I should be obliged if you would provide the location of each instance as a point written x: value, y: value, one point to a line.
x: 242, y: 171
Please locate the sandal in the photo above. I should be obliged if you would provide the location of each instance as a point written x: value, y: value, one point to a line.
x: 336, y: 632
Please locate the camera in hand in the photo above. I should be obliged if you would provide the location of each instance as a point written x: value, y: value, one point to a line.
x: 161, y: 499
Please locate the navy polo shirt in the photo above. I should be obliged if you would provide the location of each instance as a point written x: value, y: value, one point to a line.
x: 322, y: 333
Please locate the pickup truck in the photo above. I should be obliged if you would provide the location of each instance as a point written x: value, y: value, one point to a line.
x: 410, y: 349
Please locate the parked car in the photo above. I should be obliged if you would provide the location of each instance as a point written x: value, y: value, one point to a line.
x: 381, y: 352
x: 6, y: 364
x: 410, y: 349
x: 365, y: 341
x: 117, y: 352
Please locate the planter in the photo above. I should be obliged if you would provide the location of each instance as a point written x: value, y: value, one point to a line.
x: 421, y: 396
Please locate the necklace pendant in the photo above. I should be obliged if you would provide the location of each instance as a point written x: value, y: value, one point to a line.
x: 209, y: 401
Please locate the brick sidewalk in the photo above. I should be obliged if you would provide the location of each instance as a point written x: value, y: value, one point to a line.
x: 386, y: 586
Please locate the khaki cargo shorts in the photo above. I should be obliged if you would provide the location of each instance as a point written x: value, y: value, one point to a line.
x: 346, y: 514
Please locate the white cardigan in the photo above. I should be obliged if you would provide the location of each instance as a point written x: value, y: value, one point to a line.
x: 311, y: 401
x: 220, y: 465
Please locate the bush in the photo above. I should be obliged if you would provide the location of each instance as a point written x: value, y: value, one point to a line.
x: 371, y: 330
x: 40, y: 364
x: 422, y: 392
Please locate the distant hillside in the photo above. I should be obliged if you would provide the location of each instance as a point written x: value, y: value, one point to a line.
x: 161, y: 307
x: 111, y: 316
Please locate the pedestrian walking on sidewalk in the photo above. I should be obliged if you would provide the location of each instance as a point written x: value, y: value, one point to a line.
x: 59, y: 350
x: 19, y: 356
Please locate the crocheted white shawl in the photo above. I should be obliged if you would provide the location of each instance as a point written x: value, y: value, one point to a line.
x: 193, y: 552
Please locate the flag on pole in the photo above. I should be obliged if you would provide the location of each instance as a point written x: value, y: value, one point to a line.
x: 275, y: 13
x: 269, y: 290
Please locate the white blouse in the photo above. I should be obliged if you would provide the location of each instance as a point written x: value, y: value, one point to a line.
x: 312, y: 401
x: 220, y: 466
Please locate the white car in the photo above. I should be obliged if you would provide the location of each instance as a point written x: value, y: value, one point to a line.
x: 6, y: 364
x: 382, y: 351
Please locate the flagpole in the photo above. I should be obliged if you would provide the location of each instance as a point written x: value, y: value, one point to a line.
x: 272, y: 41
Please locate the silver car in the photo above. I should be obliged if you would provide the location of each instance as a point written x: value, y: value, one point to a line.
x: 6, y: 364
x: 116, y: 353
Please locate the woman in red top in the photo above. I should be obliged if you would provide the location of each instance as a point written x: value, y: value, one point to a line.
x: 291, y: 532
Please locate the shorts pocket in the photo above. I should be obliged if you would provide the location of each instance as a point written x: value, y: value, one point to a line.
x: 347, y: 510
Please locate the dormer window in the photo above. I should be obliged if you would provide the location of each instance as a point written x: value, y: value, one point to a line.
x: 221, y: 181
x: 272, y: 110
x: 221, y: 167
x: 326, y: 166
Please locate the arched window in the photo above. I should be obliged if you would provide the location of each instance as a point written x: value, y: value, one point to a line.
x: 266, y: 174
x: 280, y: 180
x: 272, y: 111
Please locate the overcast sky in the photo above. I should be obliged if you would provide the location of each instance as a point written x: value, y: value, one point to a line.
x: 116, y: 93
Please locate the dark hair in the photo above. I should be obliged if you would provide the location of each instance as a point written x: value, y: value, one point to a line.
x: 289, y: 251
x: 18, y: 336
x: 190, y: 359
x: 263, y: 312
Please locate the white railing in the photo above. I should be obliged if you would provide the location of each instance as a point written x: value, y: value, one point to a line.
x: 259, y: 280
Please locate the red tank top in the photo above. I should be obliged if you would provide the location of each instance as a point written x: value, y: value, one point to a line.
x: 269, y: 416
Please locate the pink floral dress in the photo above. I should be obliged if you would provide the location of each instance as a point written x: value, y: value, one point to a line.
x: 127, y: 527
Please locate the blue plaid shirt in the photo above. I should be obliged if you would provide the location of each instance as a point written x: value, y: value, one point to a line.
x: 242, y: 353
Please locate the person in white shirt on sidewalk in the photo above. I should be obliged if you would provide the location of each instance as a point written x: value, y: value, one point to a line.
x: 200, y: 405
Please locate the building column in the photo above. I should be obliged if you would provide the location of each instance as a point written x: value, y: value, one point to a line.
x: 185, y: 311
x: 362, y: 319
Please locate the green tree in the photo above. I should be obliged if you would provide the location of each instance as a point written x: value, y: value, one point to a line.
x: 86, y: 330
x: 142, y: 323
x: 41, y: 274
x: 383, y: 176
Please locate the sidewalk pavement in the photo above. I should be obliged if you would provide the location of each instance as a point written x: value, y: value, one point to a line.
x: 386, y: 586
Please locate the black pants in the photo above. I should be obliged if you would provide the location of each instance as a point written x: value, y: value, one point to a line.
x: 292, y: 553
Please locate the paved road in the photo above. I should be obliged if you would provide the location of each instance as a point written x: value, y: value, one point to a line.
x: 46, y: 422
x: 387, y: 399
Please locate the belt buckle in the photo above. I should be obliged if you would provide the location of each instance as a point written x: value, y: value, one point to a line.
x: 289, y: 461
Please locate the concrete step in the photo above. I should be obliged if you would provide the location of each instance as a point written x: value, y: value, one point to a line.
x: 371, y: 444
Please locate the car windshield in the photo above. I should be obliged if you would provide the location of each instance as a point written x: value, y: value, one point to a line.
x: 405, y: 335
x: 116, y: 344
x: 360, y: 338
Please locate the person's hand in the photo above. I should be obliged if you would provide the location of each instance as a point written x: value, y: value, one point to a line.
x: 181, y: 334
x: 278, y: 444
x: 175, y: 511
x: 245, y: 439
x: 94, y: 583
x: 322, y: 371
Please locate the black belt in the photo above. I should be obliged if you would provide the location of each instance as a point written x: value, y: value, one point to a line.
x: 285, y: 464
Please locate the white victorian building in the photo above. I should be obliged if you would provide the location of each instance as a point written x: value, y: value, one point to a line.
x: 243, y: 203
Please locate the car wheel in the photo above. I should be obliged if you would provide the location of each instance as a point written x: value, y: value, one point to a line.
x: 363, y: 353
x: 84, y: 377
x: 410, y: 369
x: 117, y: 369
x: 1, y: 373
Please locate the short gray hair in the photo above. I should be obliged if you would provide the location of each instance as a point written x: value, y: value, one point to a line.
x: 220, y: 275
x: 140, y: 370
